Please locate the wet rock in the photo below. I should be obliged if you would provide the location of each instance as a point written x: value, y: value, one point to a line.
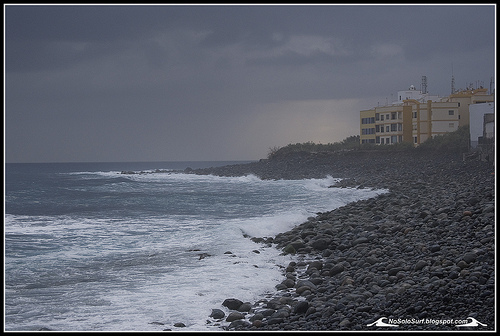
x: 257, y: 323
x: 316, y: 264
x: 275, y: 320
x: 420, y: 264
x: 257, y: 316
x: 301, y: 307
x: 245, y: 307
x: 394, y: 270
x: 305, y: 283
x: 320, y: 244
x: 203, y: 256
x: 336, y: 270
x: 289, y: 249
x: 288, y: 283
x: 469, y: 257
x: 232, y: 303
x: 233, y: 316
x: 217, y: 314
x: 239, y: 324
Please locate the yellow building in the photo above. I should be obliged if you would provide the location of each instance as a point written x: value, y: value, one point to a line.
x: 417, y: 119
x: 432, y: 118
x: 465, y: 98
x: 385, y: 124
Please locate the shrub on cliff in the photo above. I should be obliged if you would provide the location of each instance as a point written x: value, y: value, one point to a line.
x: 453, y: 142
x: 457, y: 141
x: 351, y: 142
x: 348, y: 144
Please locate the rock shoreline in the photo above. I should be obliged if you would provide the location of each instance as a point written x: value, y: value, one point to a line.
x: 421, y: 256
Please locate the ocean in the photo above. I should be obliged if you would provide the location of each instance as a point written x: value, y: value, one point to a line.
x: 88, y: 248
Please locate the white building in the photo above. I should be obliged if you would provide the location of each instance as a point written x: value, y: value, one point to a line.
x: 413, y: 93
x: 478, y: 128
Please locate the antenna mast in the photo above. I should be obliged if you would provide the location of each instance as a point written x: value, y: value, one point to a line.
x: 424, y: 84
x: 452, y: 80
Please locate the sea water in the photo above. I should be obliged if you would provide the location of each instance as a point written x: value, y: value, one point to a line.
x: 89, y: 248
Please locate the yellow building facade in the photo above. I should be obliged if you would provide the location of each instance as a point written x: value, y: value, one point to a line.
x: 414, y: 121
x: 465, y: 98
x: 385, y: 124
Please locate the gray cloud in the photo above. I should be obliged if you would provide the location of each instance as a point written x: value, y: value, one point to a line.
x: 118, y: 83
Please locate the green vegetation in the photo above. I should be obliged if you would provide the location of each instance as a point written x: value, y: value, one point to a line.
x: 348, y: 144
x: 351, y: 142
x: 457, y: 141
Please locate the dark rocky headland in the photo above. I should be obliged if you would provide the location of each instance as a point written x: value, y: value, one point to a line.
x: 420, y: 256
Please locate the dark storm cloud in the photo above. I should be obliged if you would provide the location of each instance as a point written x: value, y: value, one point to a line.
x: 40, y: 37
x: 220, y: 82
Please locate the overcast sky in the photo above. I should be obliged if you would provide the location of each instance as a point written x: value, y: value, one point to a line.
x: 176, y: 83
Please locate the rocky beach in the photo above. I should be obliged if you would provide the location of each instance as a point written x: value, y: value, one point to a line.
x: 419, y: 257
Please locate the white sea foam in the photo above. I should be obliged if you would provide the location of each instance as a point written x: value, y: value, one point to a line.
x: 161, y: 257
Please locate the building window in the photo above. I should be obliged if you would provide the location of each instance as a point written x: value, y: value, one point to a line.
x: 393, y: 115
x: 415, y: 115
x: 394, y: 139
x: 451, y: 112
x: 366, y: 131
x: 387, y: 128
x: 400, y: 138
x: 394, y: 127
x: 377, y: 116
x: 415, y: 139
x: 377, y: 139
x: 382, y: 117
x: 381, y: 141
x: 400, y: 127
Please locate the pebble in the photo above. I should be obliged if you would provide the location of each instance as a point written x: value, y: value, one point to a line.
x: 424, y: 249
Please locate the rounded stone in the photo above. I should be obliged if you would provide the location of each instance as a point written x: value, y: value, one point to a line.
x: 232, y: 303
x: 217, y: 314
x: 469, y: 257
x: 233, y: 316
x: 301, y: 307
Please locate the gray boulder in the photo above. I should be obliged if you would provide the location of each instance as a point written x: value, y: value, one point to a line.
x: 233, y: 316
x: 217, y: 314
x: 232, y: 303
